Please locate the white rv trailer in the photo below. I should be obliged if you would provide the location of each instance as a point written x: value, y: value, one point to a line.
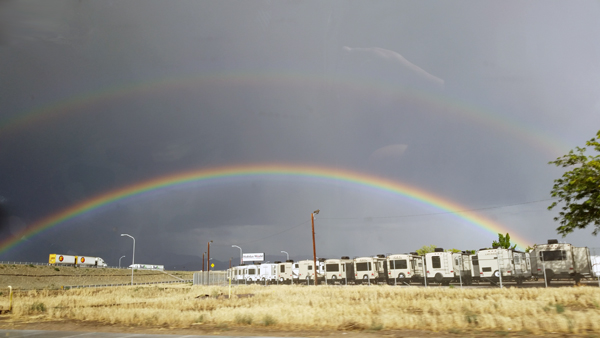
x: 306, y: 273
x: 513, y: 265
x: 445, y: 267
x: 148, y: 267
x: 402, y: 268
x: 339, y: 271
x: 370, y: 269
x: 285, y: 273
x: 238, y: 273
x: 268, y: 272
x: 561, y: 261
x: 252, y: 273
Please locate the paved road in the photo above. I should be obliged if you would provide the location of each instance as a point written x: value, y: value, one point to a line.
x: 65, y: 334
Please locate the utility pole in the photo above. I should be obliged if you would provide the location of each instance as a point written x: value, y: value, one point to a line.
x: 208, y: 262
x: 312, y: 218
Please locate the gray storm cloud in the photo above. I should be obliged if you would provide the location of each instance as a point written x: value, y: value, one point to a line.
x: 362, y: 87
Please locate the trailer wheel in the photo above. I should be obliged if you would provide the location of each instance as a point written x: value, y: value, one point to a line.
x: 333, y: 277
x: 438, y: 277
x: 497, y: 274
x: 401, y: 275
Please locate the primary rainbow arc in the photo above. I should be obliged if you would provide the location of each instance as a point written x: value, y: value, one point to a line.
x: 258, y: 170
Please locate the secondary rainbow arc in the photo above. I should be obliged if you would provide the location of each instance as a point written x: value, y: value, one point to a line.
x: 489, y: 119
x: 250, y: 170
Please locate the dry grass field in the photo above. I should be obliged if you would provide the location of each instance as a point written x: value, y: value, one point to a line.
x: 574, y: 310
x: 27, y: 277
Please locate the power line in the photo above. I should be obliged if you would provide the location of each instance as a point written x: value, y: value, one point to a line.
x: 445, y: 212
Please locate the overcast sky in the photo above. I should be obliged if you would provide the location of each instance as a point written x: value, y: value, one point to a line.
x: 466, y: 100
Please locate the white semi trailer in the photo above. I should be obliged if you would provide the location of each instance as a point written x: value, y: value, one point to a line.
x: 83, y: 261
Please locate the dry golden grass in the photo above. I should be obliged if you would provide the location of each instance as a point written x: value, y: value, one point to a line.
x: 40, y: 277
x: 568, y: 310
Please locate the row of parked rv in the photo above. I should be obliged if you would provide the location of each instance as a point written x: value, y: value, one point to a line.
x: 551, y: 261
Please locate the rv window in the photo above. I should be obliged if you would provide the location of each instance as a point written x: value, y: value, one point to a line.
x: 282, y: 268
x: 332, y: 267
x: 400, y: 264
x: 363, y: 266
x: 251, y: 271
x: 456, y: 261
x: 436, y: 262
x: 555, y: 255
x: 310, y: 267
x: 296, y: 265
x: 486, y: 269
x: 343, y: 267
x: 475, y: 260
x: 517, y: 260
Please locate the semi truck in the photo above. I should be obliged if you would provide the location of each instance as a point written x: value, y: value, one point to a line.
x: 87, y: 261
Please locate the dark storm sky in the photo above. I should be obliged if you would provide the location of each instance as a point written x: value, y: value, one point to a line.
x: 465, y: 100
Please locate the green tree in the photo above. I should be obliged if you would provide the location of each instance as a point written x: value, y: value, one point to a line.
x: 453, y: 250
x: 578, y: 189
x: 503, y: 242
x: 425, y: 249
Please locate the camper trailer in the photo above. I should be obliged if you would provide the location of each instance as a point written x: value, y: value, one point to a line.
x: 555, y: 261
x: 285, y: 273
x: 445, y: 267
x: 404, y: 268
x: 510, y: 264
x: 268, y: 272
x: 252, y: 273
x: 339, y: 271
x: 369, y: 270
x: 306, y: 273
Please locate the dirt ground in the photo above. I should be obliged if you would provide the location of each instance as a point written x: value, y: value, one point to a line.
x: 25, y: 277
x: 7, y: 323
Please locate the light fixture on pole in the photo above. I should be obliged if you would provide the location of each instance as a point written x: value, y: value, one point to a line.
x: 312, y: 218
x: 120, y: 261
x: 287, y: 254
x: 241, y: 255
x: 132, y: 257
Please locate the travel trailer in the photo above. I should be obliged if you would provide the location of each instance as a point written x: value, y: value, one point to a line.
x: 285, y: 273
x: 369, y: 270
x: 306, y: 273
x: 510, y: 264
x: 339, y: 271
x: 555, y: 261
x: 404, y: 268
x: 445, y: 267
x: 252, y: 273
x: 268, y: 272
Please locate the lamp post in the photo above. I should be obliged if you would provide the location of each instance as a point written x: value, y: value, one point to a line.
x: 287, y: 254
x: 312, y: 218
x: 241, y: 255
x: 132, y: 257
x: 208, y: 262
x: 120, y: 261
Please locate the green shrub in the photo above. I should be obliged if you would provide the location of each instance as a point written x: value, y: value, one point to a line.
x: 245, y: 319
x: 31, y: 266
x: 37, y: 307
x: 376, y: 326
x: 269, y: 320
x: 56, y: 269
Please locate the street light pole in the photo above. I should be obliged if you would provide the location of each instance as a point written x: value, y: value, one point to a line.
x: 287, y: 254
x: 208, y: 262
x: 312, y: 218
x: 132, y: 257
x: 241, y: 255
x: 120, y: 261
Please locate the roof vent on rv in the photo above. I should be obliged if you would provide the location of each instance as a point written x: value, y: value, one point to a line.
x: 290, y: 261
x: 321, y: 259
x: 345, y: 257
x: 439, y: 250
x: 277, y: 262
x: 553, y: 241
x: 414, y: 253
x: 380, y: 256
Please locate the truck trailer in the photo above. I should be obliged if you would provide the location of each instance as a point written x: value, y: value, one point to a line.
x: 83, y: 261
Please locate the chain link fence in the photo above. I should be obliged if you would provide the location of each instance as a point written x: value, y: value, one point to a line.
x: 211, y: 278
